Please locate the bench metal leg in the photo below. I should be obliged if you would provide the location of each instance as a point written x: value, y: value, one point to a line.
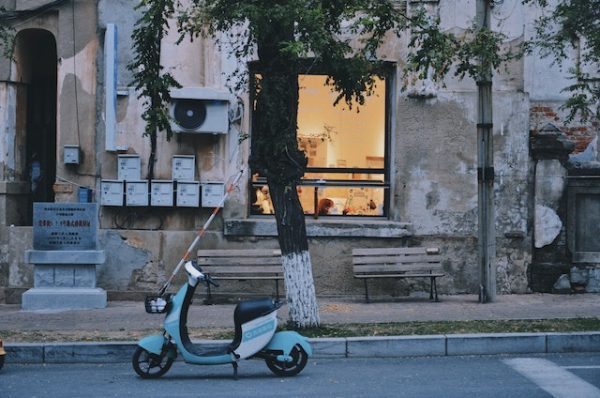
x: 366, y: 290
x: 208, y: 300
x: 431, y: 282
x: 434, y: 285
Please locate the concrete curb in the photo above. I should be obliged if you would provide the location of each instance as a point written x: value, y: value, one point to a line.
x: 351, y: 347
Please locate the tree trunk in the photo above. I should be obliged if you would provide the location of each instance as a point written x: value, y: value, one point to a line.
x: 297, y: 267
x: 275, y: 155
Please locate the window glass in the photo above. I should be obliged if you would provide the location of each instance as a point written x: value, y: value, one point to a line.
x: 336, y: 136
x: 346, y: 150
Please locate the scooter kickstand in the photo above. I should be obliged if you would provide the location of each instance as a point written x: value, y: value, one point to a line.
x: 235, y: 370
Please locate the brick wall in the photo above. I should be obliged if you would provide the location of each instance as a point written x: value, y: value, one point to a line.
x: 542, y: 113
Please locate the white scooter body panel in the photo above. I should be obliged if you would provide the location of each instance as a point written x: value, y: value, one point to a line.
x: 256, y: 334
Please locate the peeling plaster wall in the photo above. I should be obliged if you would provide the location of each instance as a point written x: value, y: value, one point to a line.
x: 77, y: 46
x: 435, y: 167
x: 187, y: 63
x: 19, y: 239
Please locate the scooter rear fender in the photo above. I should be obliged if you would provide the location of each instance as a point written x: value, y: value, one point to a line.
x: 154, y: 345
x: 287, y: 340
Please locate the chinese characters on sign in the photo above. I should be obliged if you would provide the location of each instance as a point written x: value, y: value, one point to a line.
x: 65, y: 226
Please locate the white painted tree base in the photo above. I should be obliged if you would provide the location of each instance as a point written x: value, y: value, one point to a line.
x: 300, y: 289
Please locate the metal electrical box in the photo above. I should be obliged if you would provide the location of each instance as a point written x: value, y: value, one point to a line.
x: 161, y: 193
x: 188, y: 194
x: 184, y: 167
x: 71, y: 154
x: 129, y: 168
x: 212, y: 194
x: 137, y: 193
x: 111, y: 193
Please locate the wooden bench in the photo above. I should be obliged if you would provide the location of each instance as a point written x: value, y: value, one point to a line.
x: 242, y: 265
x: 405, y: 262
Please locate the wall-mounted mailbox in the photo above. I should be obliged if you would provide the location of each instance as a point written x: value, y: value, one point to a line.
x: 111, y: 193
x: 161, y: 193
x: 188, y: 194
x: 71, y: 154
x: 137, y: 193
x: 184, y: 167
x: 212, y: 194
x: 129, y: 168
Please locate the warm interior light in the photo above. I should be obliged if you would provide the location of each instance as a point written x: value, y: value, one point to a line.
x: 339, y: 136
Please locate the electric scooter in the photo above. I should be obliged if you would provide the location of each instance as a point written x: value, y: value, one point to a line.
x: 285, y: 353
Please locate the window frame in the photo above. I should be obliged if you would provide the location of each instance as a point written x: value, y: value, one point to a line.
x: 386, y: 70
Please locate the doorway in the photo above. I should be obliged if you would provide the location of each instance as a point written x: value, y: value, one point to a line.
x: 36, y: 59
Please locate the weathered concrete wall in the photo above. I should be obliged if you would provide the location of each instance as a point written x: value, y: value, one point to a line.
x: 76, y: 105
x: 187, y: 63
x: 433, y: 152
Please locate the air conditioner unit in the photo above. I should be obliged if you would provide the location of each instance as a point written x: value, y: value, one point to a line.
x: 199, y: 110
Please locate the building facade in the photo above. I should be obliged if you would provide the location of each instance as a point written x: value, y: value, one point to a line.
x: 401, y: 172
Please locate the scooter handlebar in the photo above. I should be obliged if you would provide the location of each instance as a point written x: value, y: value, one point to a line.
x: 210, y: 281
x: 195, y: 271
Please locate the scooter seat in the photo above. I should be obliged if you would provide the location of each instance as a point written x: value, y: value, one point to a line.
x: 247, y: 311
x: 252, y: 309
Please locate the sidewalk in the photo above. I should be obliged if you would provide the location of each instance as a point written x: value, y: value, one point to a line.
x: 130, y: 319
x: 121, y: 315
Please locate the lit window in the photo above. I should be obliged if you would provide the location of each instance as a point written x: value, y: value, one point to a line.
x: 346, y: 150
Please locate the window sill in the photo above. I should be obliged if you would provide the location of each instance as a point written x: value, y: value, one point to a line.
x: 350, y: 228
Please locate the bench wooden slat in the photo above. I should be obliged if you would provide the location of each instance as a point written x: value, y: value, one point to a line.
x: 389, y: 268
x: 242, y: 265
x: 395, y: 250
x: 398, y: 262
x: 259, y: 261
x: 396, y: 259
x: 368, y: 276
x: 240, y: 253
x: 243, y: 270
x: 238, y: 278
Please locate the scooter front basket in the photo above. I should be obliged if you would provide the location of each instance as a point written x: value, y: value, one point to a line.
x: 157, y: 304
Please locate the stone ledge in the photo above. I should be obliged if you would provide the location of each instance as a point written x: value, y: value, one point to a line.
x: 322, y: 228
x: 397, y: 346
x: 63, y: 299
x: 383, y: 346
x: 495, y: 344
x: 573, y: 342
x: 65, y: 257
x: 329, y: 347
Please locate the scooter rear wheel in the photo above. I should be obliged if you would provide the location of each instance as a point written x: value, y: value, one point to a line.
x: 292, y: 368
x: 150, y: 366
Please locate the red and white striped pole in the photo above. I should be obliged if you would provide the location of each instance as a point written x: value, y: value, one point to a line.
x: 201, y: 232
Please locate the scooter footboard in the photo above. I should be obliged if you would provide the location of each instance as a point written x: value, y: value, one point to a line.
x: 287, y: 340
x: 154, y: 345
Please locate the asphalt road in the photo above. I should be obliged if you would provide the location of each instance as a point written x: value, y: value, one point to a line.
x: 558, y: 376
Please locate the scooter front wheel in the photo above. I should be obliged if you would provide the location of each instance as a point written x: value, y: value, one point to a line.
x: 291, y: 368
x: 150, y: 366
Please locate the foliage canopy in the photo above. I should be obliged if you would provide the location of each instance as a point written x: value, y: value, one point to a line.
x: 573, y: 26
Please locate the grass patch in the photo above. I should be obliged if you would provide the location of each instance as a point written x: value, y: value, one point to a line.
x: 455, y: 327
x: 334, y: 330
